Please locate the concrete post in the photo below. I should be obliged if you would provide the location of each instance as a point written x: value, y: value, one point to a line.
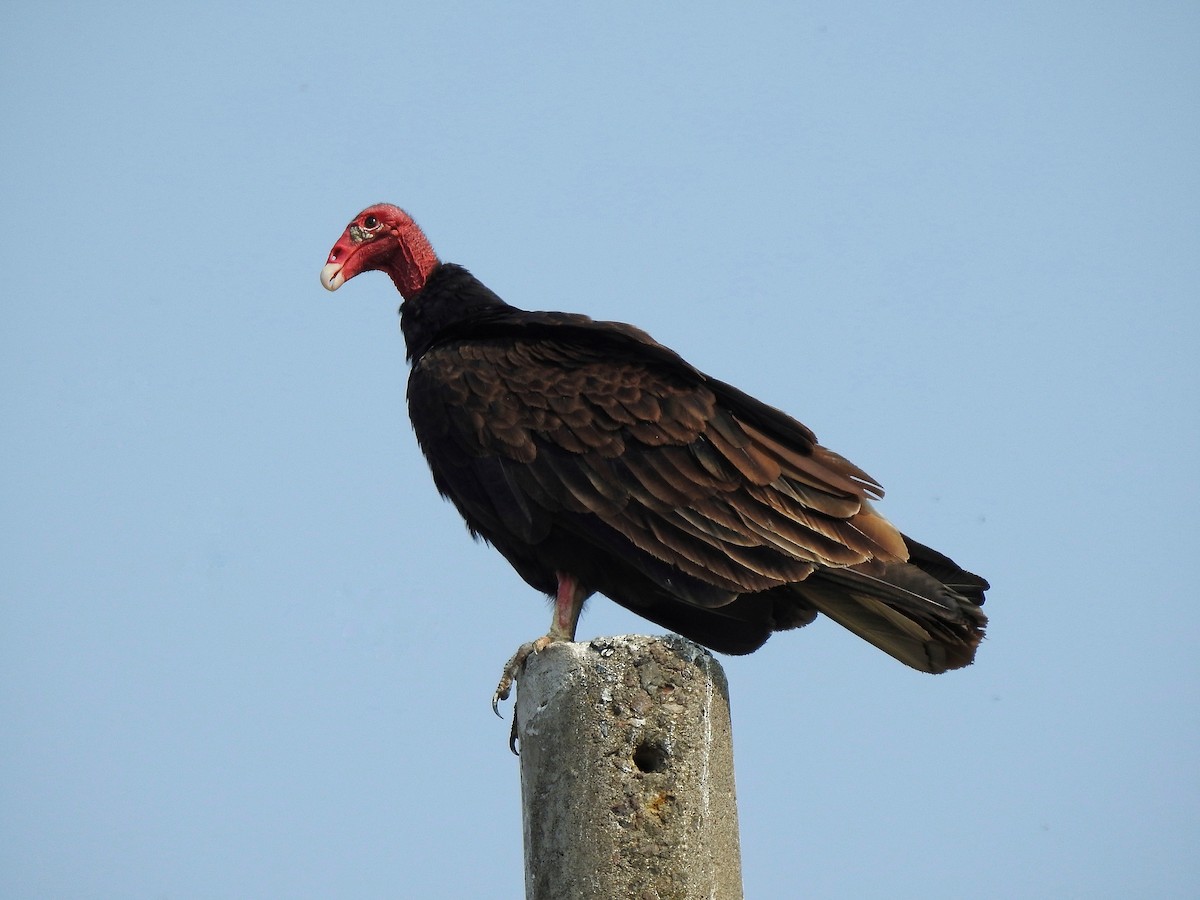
x: 627, y: 772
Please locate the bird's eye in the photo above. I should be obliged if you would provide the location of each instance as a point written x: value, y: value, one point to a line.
x: 370, y: 223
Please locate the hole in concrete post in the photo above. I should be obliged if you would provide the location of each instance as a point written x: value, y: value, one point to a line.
x: 650, y: 756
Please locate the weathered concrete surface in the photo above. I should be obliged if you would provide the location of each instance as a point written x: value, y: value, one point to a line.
x: 627, y: 772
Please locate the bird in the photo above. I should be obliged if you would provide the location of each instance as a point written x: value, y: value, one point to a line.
x: 598, y: 461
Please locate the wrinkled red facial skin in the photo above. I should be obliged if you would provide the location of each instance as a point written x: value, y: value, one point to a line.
x: 368, y: 241
x: 384, y: 238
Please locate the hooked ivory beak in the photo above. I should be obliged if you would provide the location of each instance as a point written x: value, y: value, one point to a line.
x: 331, y: 276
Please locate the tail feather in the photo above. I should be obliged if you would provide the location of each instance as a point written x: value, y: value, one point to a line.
x: 924, y: 612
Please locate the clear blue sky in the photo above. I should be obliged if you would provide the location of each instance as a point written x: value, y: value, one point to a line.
x: 245, y: 650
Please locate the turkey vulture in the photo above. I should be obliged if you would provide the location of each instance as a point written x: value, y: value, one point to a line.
x: 596, y: 460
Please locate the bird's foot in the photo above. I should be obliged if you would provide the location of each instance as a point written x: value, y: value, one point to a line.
x: 568, y: 601
x: 513, y: 667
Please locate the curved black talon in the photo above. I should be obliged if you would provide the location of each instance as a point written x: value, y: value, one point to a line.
x: 512, y: 668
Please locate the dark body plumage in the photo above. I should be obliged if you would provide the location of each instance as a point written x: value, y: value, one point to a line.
x: 588, y: 448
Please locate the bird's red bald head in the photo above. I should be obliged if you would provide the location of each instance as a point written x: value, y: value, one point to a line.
x: 385, y: 238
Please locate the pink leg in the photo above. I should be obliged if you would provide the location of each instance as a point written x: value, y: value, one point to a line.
x: 568, y: 603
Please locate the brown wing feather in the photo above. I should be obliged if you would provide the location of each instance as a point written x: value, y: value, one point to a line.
x: 650, y: 453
